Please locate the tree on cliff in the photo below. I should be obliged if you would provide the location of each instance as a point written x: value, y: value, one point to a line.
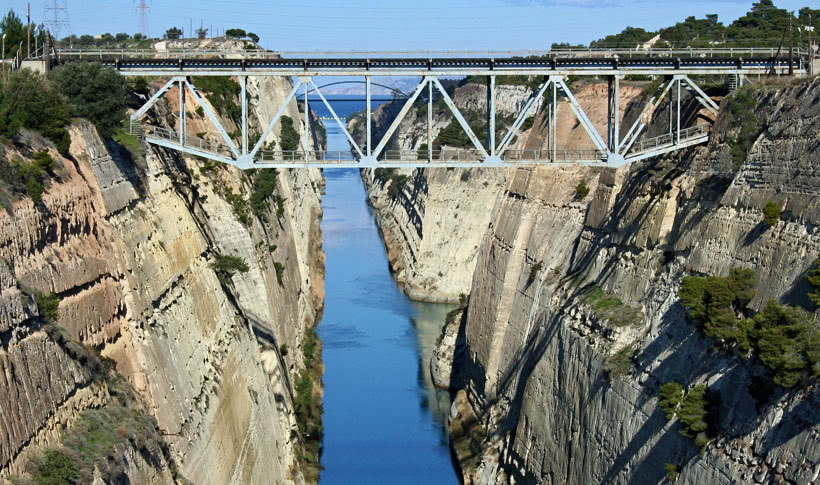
x: 28, y: 100
x: 814, y: 281
x: 235, y: 33
x: 14, y: 30
x: 173, y: 33
x: 95, y: 93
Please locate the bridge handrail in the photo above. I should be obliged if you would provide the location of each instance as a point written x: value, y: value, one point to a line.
x: 571, y: 53
x: 188, y: 141
x: 669, y: 139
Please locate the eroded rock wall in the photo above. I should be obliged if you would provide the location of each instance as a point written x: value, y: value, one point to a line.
x: 130, y: 252
x: 539, y: 396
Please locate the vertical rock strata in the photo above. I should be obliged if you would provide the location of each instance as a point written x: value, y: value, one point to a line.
x: 537, y: 355
x: 130, y: 252
x: 539, y: 404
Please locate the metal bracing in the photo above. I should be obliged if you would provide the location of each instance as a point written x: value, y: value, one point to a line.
x: 640, y: 123
x: 613, y: 131
x: 243, y: 81
x: 306, y: 126
x: 153, y: 99
x: 705, y: 100
x: 430, y: 122
x: 335, y: 117
x: 461, y: 121
x: 612, y: 151
x: 522, y: 116
x: 396, y: 122
x: 213, y: 118
x: 182, y: 129
x: 582, y: 117
x: 367, y: 112
x: 491, y: 114
x: 275, y: 119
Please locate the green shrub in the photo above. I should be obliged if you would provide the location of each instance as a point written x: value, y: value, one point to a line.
x: 787, y: 340
x: 229, y: 265
x: 771, y: 213
x: 200, y: 111
x: 742, y: 113
x: 53, y: 468
x: 620, y: 363
x: 397, y: 183
x: 383, y: 175
x: 672, y: 472
x: 612, y: 309
x: 283, y: 350
x: 814, y: 281
x: 44, y: 162
x: 94, y: 92
x: 288, y: 136
x: 264, y: 184
x: 669, y: 399
x: 224, y: 94
x: 534, y: 270
x: 48, y: 306
x: 581, y: 190
x: 280, y: 271
x: 29, y: 100
x: 280, y: 206
x: 715, y: 302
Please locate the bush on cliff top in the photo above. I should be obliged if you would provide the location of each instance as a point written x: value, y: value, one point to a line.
x: 94, y: 92
x: 29, y: 100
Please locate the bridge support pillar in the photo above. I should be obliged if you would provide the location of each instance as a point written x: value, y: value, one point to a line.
x: 491, y: 115
x: 367, y: 90
x: 615, y: 160
x: 244, y: 84
x: 182, y: 127
x: 614, y: 93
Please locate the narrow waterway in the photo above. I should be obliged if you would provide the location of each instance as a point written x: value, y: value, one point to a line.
x: 383, y: 419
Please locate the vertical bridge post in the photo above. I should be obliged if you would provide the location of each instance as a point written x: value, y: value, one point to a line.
x: 369, y: 138
x: 244, y: 82
x: 491, y: 115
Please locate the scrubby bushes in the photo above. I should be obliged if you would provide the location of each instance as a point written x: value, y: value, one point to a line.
x: 28, y: 178
x: 612, y: 309
x: 94, y: 92
x: 224, y: 93
x: 696, y: 410
x: 264, y: 184
x: 225, y: 266
x: 28, y: 100
x: 288, y: 136
x: 47, y: 306
x: 620, y: 363
x: 771, y: 213
x: 814, y: 281
x: 581, y: 190
x: 784, y: 337
x: 742, y: 113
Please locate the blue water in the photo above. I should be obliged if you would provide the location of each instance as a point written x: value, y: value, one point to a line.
x: 383, y: 420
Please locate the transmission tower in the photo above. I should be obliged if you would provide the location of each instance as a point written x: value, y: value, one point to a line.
x: 55, y: 18
x: 143, y: 10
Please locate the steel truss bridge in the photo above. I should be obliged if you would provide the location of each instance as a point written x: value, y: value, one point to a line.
x: 614, y: 149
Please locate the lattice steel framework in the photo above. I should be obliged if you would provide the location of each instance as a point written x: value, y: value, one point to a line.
x: 610, y: 149
x: 55, y: 18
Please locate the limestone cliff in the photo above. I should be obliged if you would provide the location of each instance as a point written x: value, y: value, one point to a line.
x: 436, y: 207
x: 131, y: 245
x: 542, y: 403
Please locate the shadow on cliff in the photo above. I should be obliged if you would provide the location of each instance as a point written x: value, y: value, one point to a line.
x: 653, y: 177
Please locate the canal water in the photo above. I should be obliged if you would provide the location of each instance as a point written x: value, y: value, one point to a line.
x: 383, y: 419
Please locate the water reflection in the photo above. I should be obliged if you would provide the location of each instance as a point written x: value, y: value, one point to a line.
x: 383, y: 419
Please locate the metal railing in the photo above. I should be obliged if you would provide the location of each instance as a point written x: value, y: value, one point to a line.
x: 556, y: 155
x: 296, y: 156
x: 100, y: 53
x: 669, y: 139
x: 188, y: 141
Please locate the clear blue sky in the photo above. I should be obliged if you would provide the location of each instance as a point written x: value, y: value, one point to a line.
x: 420, y: 24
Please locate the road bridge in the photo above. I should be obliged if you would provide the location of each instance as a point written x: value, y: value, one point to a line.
x: 676, y: 67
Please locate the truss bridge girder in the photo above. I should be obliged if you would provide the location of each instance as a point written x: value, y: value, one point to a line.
x: 612, y: 149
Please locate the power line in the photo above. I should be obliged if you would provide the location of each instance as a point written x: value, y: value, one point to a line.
x: 55, y: 18
x: 143, y: 10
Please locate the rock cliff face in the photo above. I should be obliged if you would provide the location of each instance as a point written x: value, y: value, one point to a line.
x: 129, y: 247
x: 439, y: 206
x: 540, y: 403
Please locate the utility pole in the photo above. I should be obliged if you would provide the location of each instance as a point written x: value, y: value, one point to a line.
x: 28, y: 27
x: 811, y: 47
x: 791, y: 45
